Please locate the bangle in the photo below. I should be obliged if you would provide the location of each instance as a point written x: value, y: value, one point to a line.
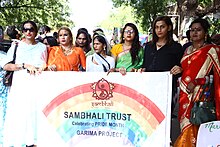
x: 23, y: 66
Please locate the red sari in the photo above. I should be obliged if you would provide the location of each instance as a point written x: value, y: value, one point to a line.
x: 64, y: 62
x: 196, y: 65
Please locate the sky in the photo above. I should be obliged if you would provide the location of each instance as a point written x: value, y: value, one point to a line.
x: 88, y: 13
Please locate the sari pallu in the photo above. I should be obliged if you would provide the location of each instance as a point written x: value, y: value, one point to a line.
x: 124, y: 59
x: 196, y: 65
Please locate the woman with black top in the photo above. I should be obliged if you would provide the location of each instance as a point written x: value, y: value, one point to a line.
x: 163, y: 53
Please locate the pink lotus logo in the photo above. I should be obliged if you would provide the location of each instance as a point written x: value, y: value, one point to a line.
x: 102, y: 90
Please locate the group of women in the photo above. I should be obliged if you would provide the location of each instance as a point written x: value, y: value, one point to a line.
x: 161, y: 54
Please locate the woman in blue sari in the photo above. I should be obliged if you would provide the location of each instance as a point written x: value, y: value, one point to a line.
x: 3, y: 100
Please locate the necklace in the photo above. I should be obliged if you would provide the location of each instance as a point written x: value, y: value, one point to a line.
x: 126, y: 47
x: 160, y: 45
x: 192, y: 49
x: 196, y: 48
x: 67, y: 50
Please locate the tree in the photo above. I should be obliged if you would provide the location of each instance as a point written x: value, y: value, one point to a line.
x: 188, y: 9
x: 118, y: 18
x: 147, y: 10
x: 51, y: 12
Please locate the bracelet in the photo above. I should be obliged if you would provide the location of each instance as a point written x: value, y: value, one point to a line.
x: 23, y: 66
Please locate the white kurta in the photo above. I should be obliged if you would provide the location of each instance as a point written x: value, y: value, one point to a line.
x: 92, y: 67
x: 21, y: 115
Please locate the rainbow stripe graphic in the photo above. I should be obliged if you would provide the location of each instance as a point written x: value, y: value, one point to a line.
x: 131, y: 118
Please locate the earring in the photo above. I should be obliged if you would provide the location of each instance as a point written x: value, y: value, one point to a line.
x: 205, y: 38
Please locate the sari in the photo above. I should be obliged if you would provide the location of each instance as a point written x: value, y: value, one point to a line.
x: 70, y: 62
x: 123, y: 58
x: 3, y: 102
x: 196, y: 65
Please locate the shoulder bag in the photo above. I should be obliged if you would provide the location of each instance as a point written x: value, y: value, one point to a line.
x: 7, y: 79
x: 204, y: 111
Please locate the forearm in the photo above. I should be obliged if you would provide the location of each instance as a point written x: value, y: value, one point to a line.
x: 13, y: 67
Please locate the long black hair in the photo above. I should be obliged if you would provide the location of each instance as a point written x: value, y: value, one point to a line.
x: 87, y: 44
x: 51, y: 41
x: 135, y: 47
x: 102, y: 40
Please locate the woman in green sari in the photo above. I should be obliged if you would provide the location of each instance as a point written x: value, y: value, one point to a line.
x: 128, y: 54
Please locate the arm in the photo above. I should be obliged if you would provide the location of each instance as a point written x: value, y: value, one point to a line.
x: 12, y: 67
x: 177, y: 69
x: 113, y: 53
x: 199, y: 81
x: 51, y: 66
x: 88, y: 60
x: 82, y: 58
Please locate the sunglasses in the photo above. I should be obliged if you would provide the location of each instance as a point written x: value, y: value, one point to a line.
x: 28, y: 29
x: 129, y: 31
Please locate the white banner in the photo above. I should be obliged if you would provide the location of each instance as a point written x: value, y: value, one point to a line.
x: 80, y: 109
x: 209, y: 134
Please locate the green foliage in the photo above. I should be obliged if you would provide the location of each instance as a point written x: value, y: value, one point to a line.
x: 51, y: 12
x: 215, y: 25
x: 145, y: 10
x: 205, y: 3
x: 119, y: 17
x: 214, y: 22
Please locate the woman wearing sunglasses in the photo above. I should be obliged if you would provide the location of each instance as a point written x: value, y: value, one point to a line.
x: 128, y: 54
x: 25, y: 51
x: 30, y: 56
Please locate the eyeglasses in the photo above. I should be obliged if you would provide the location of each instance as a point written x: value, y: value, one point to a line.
x: 28, y: 29
x: 129, y: 31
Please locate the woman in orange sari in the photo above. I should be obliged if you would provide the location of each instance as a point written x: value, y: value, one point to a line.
x: 199, y: 61
x: 65, y: 57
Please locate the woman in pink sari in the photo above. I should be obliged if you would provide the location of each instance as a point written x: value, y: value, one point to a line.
x: 199, y: 61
